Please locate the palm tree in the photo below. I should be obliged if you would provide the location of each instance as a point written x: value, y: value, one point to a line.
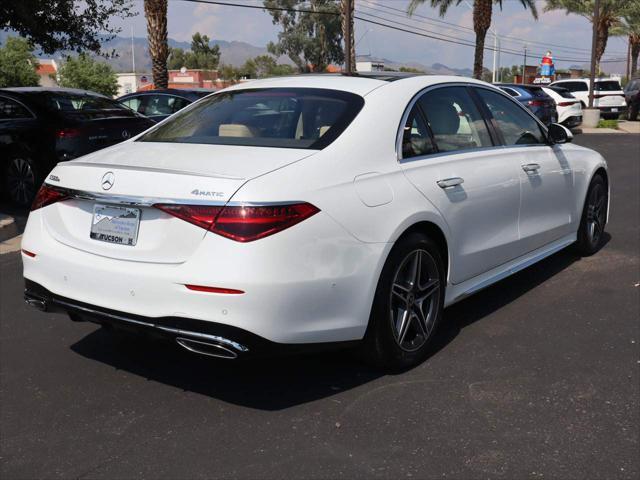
x: 608, y: 17
x: 630, y: 27
x: 156, y: 13
x: 482, y: 11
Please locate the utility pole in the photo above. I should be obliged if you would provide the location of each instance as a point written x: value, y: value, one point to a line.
x: 347, y: 30
x: 594, y: 42
x: 495, y: 54
x: 133, y: 63
x: 524, y: 67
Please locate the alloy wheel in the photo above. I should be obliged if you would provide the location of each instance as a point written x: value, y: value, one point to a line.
x: 596, y: 213
x: 21, y: 181
x: 414, y: 300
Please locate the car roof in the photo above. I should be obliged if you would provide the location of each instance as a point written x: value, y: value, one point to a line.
x: 360, y: 84
x: 28, y: 90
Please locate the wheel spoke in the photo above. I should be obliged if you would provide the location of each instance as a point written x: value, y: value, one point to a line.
x: 400, y: 291
x: 403, y: 325
x: 421, y: 321
x: 427, y: 290
x: 417, y: 268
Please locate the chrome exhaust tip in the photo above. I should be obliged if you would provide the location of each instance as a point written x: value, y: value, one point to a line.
x: 207, y: 348
x: 37, y: 303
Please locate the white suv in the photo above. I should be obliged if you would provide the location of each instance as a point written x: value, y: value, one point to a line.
x: 607, y: 96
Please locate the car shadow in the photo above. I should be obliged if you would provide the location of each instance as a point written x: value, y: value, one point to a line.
x: 282, y: 382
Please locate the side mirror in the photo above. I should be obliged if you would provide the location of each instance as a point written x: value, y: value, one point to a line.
x: 559, y: 133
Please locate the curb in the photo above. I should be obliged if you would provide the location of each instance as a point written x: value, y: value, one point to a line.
x: 8, y: 227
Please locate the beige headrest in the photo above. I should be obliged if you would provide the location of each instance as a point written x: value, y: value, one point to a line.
x: 324, y: 129
x: 235, y: 130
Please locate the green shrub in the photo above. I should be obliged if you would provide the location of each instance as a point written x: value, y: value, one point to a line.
x: 608, y: 124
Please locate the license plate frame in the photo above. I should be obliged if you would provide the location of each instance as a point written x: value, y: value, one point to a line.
x: 115, y: 224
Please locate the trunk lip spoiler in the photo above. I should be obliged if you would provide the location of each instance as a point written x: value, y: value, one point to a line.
x: 140, y: 201
x: 77, y: 163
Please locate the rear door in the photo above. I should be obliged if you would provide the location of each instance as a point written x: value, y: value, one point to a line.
x: 546, y: 177
x: 449, y: 156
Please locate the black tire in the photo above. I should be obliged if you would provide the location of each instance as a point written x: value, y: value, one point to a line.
x: 633, y: 111
x: 594, y: 217
x: 21, y: 179
x: 383, y: 346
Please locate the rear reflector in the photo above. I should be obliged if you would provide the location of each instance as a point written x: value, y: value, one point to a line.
x: 46, y: 196
x: 28, y: 253
x: 242, y: 223
x: 227, y: 291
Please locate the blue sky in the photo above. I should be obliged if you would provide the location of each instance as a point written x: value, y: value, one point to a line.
x: 570, y: 33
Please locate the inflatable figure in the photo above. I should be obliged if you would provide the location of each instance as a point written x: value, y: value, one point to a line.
x: 547, y: 69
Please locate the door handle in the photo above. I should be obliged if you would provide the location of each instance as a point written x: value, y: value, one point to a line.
x: 450, y: 182
x: 531, y: 167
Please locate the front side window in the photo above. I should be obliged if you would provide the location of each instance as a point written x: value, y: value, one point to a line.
x: 454, y: 119
x: 273, y: 117
x: 11, y: 110
x: 516, y: 125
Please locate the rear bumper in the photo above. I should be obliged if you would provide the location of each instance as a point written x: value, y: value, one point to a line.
x: 572, y: 121
x: 310, y: 284
x: 228, y: 341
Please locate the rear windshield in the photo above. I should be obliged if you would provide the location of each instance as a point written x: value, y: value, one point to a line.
x: 608, y: 86
x: 536, y: 91
x: 82, y: 106
x: 276, y: 117
x: 563, y: 92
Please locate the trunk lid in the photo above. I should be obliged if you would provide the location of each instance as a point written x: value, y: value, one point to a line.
x: 142, y: 174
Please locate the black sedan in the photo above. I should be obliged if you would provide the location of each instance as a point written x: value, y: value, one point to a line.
x: 632, y: 96
x: 534, y: 98
x: 40, y: 127
x: 159, y: 104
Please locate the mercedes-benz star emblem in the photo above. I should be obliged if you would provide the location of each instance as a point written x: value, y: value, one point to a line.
x: 108, y: 179
x: 125, y: 134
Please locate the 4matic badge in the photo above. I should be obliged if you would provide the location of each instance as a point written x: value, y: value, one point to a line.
x: 207, y: 193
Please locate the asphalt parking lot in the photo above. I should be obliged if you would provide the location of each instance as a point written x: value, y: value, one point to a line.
x: 535, y: 377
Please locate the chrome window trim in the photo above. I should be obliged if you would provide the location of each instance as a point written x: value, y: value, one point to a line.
x: 140, y: 201
x: 33, y: 115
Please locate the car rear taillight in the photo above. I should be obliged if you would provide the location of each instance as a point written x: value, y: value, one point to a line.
x: 46, y: 196
x: 536, y: 103
x: 68, y: 132
x: 200, y: 215
x: 242, y: 223
x: 566, y: 104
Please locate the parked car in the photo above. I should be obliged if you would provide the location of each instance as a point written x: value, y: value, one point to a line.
x: 608, y: 96
x: 568, y: 107
x: 40, y: 127
x: 632, y: 97
x: 290, y: 213
x: 159, y: 104
x: 535, y: 99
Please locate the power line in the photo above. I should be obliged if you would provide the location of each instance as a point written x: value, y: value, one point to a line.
x: 462, y: 27
x: 403, y: 27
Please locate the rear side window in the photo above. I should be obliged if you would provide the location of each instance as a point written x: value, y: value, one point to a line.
x: 574, y: 86
x: 608, y: 86
x: 416, y: 140
x: 454, y: 119
x: 81, y: 106
x: 516, y: 125
x: 11, y: 110
x: 274, y: 117
x: 133, y: 103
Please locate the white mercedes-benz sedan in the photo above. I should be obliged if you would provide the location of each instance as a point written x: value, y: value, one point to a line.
x: 310, y: 211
